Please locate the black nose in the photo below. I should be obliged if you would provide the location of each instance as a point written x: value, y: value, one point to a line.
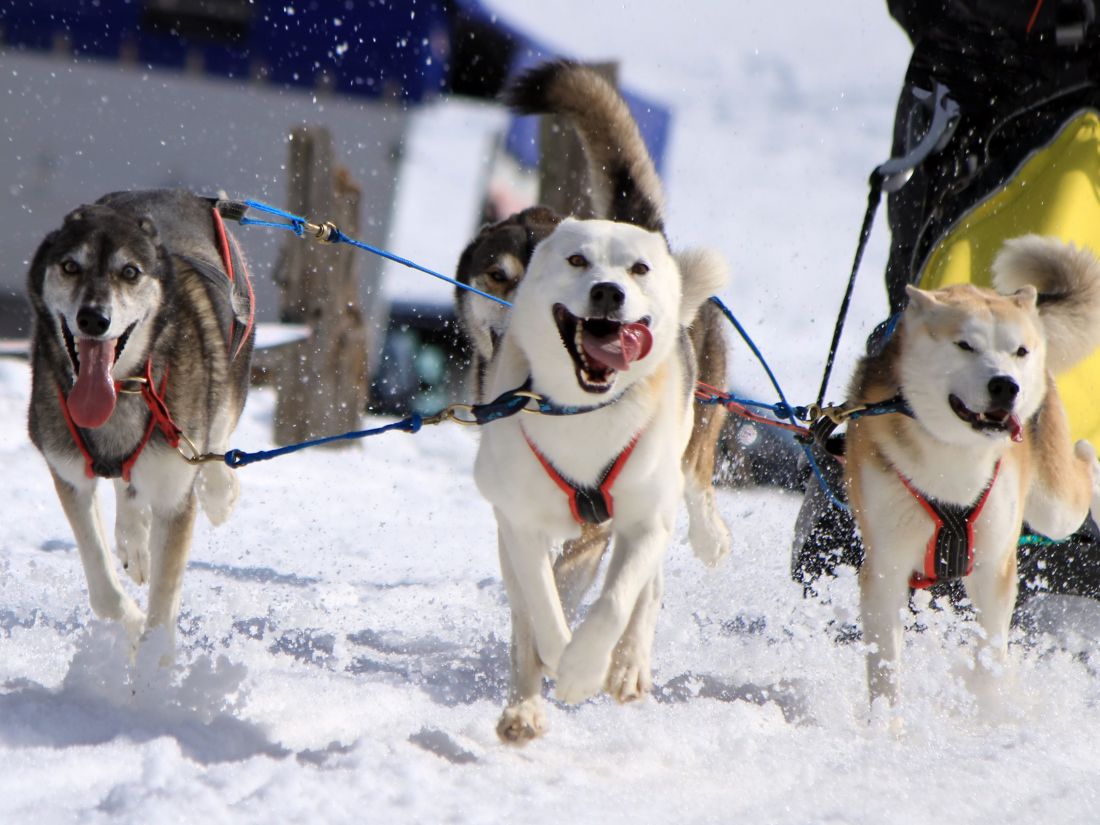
x: 92, y: 321
x: 1003, y: 391
x: 606, y: 297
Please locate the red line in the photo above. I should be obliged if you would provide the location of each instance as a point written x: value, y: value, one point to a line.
x: 707, y: 393
x: 1034, y: 15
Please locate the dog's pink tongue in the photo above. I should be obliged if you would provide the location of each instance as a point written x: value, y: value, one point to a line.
x: 92, y: 399
x: 1015, y: 428
x: 631, y: 343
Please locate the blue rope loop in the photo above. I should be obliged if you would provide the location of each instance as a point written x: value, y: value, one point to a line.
x: 779, y: 409
x: 788, y: 411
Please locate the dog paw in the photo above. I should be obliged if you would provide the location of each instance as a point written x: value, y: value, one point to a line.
x: 133, y: 622
x: 134, y: 556
x: 710, y: 543
x: 219, y: 490
x: 132, y: 540
x: 521, y: 723
x: 629, y: 677
x: 581, y: 672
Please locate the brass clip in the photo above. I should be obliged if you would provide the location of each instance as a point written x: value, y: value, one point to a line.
x: 196, y: 457
x: 122, y: 388
x: 322, y: 232
x: 534, y: 396
x: 837, y: 413
x: 459, y: 413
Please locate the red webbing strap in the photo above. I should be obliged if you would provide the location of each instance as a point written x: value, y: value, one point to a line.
x: 613, y: 473
x: 224, y: 242
x: 159, y: 418
x: 571, y: 491
x: 567, y: 488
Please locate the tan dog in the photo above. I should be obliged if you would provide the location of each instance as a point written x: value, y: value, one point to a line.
x: 986, y: 445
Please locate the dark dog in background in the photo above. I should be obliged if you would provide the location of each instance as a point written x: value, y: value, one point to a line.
x: 494, y: 262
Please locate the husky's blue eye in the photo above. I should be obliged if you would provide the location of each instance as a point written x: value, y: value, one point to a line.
x: 964, y: 346
x: 130, y: 272
x: 70, y: 267
x: 577, y: 260
x: 1021, y: 352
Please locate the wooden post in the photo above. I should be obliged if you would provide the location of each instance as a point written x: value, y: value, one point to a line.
x: 563, y: 170
x: 321, y: 381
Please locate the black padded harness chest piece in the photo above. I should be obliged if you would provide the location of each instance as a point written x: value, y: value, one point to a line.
x: 950, y: 551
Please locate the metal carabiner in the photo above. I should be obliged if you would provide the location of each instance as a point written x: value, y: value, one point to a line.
x: 137, y: 379
x: 452, y: 412
x: 534, y: 396
x: 196, y: 457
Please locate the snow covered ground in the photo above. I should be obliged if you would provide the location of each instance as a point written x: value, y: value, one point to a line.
x: 343, y: 640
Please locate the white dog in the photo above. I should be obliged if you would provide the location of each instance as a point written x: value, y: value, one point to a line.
x: 599, y: 320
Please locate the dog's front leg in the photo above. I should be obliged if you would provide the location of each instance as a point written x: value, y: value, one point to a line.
x: 108, y: 599
x: 539, y: 631
x: 576, y: 567
x: 524, y: 718
x: 992, y: 588
x: 884, y: 593
x: 629, y: 676
x: 132, y: 521
x: 529, y: 555
x: 170, y: 544
x: 635, y: 561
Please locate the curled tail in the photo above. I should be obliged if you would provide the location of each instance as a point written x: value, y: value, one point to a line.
x: 625, y: 185
x: 1067, y: 279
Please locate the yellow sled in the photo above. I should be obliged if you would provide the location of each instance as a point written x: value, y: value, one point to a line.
x: 1055, y: 192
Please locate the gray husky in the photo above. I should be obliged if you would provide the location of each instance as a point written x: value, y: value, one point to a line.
x: 142, y: 342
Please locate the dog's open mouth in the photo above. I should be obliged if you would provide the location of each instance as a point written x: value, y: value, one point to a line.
x: 93, y: 397
x: 990, y: 421
x: 600, y: 347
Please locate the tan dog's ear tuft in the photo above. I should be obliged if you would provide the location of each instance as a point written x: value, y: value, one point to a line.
x: 703, y: 273
x: 1026, y: 297
x: 920, y: 301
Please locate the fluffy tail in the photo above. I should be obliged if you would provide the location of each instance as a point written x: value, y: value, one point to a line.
x: 1068, y: 281
x: 625, y: 186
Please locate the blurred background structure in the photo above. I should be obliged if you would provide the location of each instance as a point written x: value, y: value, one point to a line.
x: 104, y: 95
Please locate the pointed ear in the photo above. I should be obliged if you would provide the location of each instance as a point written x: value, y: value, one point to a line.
x: 146, y: 225
x: 920, y: 301
x: 1026, y: 297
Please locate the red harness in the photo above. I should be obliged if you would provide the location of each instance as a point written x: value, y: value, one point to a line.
x: 224, y: 242
x: 950, y: 551
x: 589, y: 505
x: 159, y: 417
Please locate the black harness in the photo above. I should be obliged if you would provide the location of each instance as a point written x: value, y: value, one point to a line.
x: 950, y: 551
